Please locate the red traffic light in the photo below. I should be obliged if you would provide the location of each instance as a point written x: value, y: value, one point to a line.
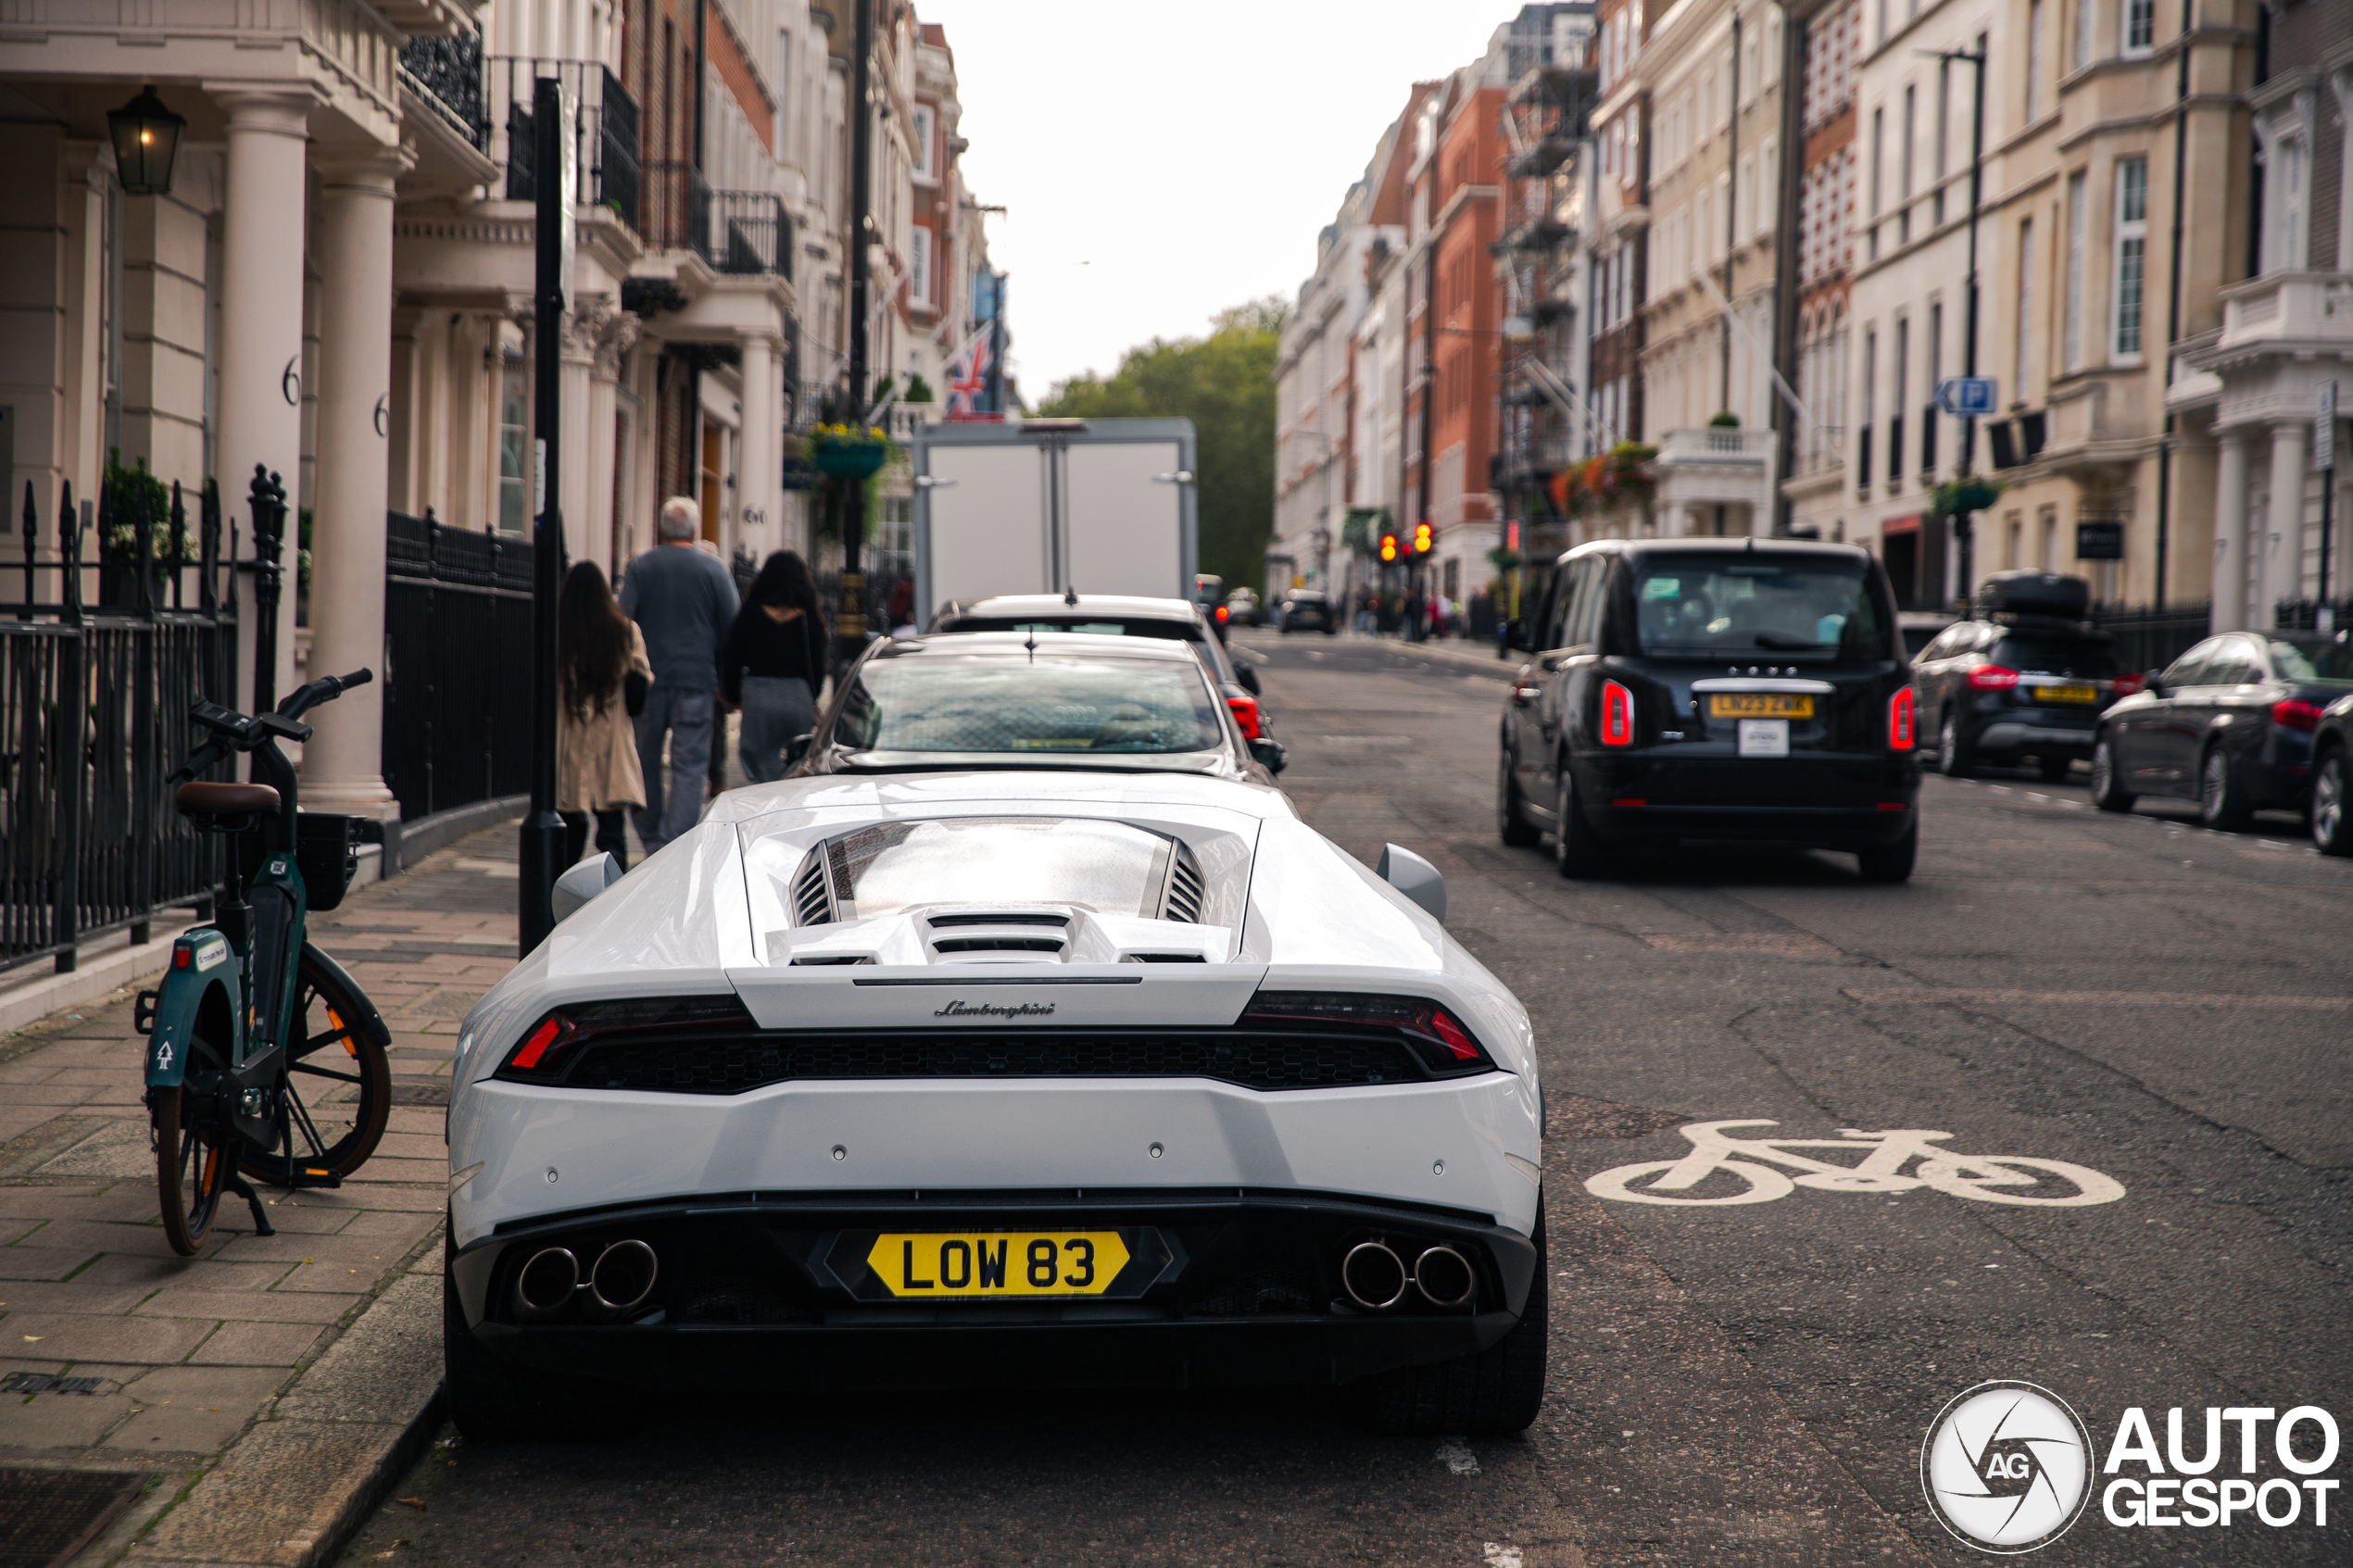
x: 1388, y: 547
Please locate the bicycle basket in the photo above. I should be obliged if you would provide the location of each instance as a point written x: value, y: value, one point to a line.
x: 327, y: 851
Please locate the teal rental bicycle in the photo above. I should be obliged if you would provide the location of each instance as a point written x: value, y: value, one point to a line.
x: 265, y: 1058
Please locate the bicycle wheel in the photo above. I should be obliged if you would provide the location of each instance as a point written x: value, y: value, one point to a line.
x: 192, y: 1171
x: 1764, y: 1184
x: 1983, y: 1177
x: 338, y: 1084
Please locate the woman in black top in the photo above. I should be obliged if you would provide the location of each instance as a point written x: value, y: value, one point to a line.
x: 774, y: 665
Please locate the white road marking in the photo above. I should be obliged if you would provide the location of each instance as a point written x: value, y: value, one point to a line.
x: 1502, y: 1556
x: 1751, y: 1161
x: 1457, y: 1457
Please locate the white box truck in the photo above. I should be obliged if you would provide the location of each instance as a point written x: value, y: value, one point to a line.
x: 1040, y: 505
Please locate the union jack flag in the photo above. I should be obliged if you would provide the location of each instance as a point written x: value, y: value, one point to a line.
x: 968, y: 375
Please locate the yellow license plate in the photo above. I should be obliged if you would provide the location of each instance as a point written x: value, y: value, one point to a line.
x: 2067, y: 694
x: 987, y: 1265
x: 1760, y: 704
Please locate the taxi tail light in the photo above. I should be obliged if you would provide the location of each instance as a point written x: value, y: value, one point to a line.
x: 1245, y: 714
x: 1617, y: 715
x: 547, y: 1053
x: 1444, y: 1044
x: 1902, y: 732
x: 2294, y: 713
x: 1992, y: 678
x: 2125, y: 685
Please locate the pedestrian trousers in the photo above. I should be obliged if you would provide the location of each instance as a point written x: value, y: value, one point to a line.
x: 612, y: 836
x: 686, y: 717
x: 776, y: 708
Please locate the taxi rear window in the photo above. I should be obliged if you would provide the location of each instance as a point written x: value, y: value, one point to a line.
x: 1746, y: 603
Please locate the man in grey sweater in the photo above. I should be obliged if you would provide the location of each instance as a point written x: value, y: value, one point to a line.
x: 684, y: 601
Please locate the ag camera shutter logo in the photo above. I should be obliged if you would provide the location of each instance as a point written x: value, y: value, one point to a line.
x: 2006, y: 1467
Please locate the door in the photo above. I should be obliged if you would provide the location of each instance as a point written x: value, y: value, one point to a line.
x: 1123, y: 520
x: 2230, y: 691
x: 1573, y: 636
x: 2155, y: 751
x: 987, y: 530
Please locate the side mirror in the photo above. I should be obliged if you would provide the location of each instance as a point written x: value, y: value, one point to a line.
x: 798, y: 748
x: 1519, y: 640
x: 1415, y: 877
x: 584, y: 882
x: 1248, y: 675
x: 2153, y: 682
x: 1269, y: 754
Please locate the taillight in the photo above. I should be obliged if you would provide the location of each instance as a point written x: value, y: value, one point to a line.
x: 1445, y: 1048
x: 1992, y: 678
x: 2295, y: 714
x: 1901, y: 731
x: 560, y: 1039
x: 1245, y: 714
x: 1617, y: 715
x: 2127, y: 685
x: 1524, y: 692
x: 1221, y: 612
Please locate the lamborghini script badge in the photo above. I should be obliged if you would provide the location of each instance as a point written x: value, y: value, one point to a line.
x: 993, y: 1009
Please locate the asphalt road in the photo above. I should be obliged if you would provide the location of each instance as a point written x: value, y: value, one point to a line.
x: 2165, y: 1008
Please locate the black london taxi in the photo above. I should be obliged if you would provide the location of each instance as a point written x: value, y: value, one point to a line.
x: 1713, y: 689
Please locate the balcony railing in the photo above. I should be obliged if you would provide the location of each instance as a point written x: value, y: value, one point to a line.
x: 604, y: 140
x: 2301, y: 305
x: 446, y: 73
x: 1716, y: 444
x: 743, y: 233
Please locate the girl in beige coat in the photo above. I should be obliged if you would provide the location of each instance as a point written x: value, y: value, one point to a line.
x: 601, y: 671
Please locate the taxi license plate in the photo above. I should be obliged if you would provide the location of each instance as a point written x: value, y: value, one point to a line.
x: 2067, y: 694
x: 998, y: 1265
x: 1758, y: 705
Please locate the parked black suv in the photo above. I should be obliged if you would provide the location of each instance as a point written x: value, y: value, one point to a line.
x: 2023, y: 678
x: 1704, y: 689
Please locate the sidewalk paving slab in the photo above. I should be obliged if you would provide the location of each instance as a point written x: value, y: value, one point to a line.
x: 270, y: 1388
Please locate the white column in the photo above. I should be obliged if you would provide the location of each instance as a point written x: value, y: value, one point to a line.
x: 342, y: 767
x: 758, y: 468
x: 261, y: 285
x: 614, y: 335
x: 2284, y: 535
x: 577, y: 342
x: 2230, y: 532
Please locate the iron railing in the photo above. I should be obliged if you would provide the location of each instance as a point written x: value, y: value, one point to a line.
x: 2149, y: 636
x: 446, y: 73
x: 2304, y: 615
x: 733, y: 232
x: 457, y: 703
x: 93, y: 717
x: 604, y: 138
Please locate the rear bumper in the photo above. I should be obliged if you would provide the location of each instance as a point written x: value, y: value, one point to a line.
x: 1704, y: 792
x: 763, y: 1291
x: 2043, y: 739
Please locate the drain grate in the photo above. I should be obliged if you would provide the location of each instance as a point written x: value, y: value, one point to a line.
x: 47, y: 1515
x: 42, y: 1383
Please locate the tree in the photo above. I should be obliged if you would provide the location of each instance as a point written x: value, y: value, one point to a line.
x: 1225, y: 383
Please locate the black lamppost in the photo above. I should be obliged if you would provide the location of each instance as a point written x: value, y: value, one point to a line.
x: 1963, y: 519
x: 850, y: 626
x: 147, y: 140
x: 541, y: 846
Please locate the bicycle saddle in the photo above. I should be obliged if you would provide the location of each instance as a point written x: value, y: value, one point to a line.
x: 225, y: 808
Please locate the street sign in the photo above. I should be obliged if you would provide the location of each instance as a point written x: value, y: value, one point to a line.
x: 2324, y: 429
x: 1967, y: 397
x: 2099, y: 541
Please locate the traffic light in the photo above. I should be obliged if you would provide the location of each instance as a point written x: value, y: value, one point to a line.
x: 1421, y: 539
x: 1388, y: 547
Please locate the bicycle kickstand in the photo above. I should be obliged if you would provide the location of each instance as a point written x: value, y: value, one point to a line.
x: 243, y: 1188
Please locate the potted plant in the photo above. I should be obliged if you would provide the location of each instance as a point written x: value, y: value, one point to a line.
x: 846, y: 451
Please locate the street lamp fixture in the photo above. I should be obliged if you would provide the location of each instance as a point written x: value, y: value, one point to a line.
x: 147, y: 140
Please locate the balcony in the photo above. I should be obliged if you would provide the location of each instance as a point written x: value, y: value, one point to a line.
x: 604, y: 140
x: 741, y: 233
x: 1714, y: 465
x: 2287, y: 307
x: 445, y: 74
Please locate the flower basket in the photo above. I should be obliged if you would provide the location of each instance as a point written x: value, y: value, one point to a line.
x: 844, y: 453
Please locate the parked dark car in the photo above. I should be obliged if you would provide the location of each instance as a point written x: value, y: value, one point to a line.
x: 1690, y: 689
x: 2229, y: 724
x: 2333, y: 779
x: 1306, y: 610
x: 2015, y: 689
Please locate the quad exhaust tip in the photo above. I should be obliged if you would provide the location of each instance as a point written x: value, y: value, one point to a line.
x: 545, y: 1283
x: 1373, y: 1276
x: 1444, y: 1277
x: 624, y: 1276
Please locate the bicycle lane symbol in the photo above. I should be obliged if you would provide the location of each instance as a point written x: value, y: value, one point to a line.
x: 1987, y: 1178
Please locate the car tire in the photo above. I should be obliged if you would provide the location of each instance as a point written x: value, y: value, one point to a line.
x: 1511, y: 821
x: 2054, y: 769
x: 1492, y: 1392
x: 2107, y: 790
x: 1890, y: 862
x: 493, y: 1402
x: 2221, y: 804
x: 2331, y: 809
x: 1577, y: 850
x: 1955, y: 757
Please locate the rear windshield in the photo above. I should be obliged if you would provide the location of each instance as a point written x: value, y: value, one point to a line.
x: 2331, y: 662
x: 1027, y: 709
x: 2046, y: 654
x: 1112, y: 627
x: 1740, y: 603
x: 1107, y: 866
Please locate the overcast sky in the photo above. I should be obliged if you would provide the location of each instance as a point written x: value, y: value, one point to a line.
x: 1162, y: 162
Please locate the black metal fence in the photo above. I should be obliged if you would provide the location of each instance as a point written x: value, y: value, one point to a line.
x: 457, y: 703
x: 2148, y: 638
x: 94, y: 705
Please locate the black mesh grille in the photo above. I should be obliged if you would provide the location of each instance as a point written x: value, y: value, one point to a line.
x: 1256, y: 1059
x: 1184, y: 890
x: 812, y: 903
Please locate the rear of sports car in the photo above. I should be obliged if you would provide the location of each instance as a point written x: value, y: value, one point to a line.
x: 1090, y: 1082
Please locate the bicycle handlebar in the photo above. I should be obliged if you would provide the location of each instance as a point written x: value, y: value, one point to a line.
x: 245, y: 731
x: 324, y: 689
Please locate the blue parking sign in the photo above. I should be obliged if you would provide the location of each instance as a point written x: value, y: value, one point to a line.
x: 1966, y: 397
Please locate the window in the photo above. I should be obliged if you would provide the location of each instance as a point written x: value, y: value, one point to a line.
x: 919, y: 266
x: 1879, y: 141
x: 2139, y: 26
x: 2287, y: 180
x: 1904, y: 178
x: 786, y: 146
x: 2079, y: 47
x: 2033, y: 61
x: 919, y: 132
x: 514, y: 415
x: 2132, y: 254
x: 2073, y: 332
x: 2025, y: 308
